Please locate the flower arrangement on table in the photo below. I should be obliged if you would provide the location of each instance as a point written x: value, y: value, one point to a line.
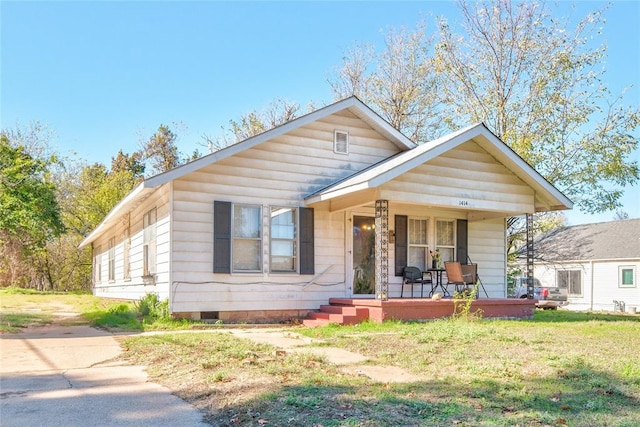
x: 436, y: 259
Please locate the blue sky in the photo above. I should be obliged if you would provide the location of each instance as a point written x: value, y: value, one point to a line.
x: 104, y: 75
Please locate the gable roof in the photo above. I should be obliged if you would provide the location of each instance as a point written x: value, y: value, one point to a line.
x: 588, y: 242
x: 352, y: 104
x: 403, y: 162
x: 149, y: 185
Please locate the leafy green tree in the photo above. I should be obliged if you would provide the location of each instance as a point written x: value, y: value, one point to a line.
x: 29, y: 209
x: 30, y: 216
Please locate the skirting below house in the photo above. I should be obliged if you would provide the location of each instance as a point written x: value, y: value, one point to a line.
x: 246, y: 316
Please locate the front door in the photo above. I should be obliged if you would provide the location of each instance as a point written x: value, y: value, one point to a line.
x: 364, y: 257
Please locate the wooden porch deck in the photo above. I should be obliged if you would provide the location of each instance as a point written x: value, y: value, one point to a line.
x: 347, y: 311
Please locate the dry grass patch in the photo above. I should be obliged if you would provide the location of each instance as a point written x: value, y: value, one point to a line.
x: 550, y: 371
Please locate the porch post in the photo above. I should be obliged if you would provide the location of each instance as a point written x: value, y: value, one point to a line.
x: 382, y: 249
x: 530, y: 287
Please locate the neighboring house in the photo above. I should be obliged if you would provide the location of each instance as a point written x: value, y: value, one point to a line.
x: 274, y: 226
x: 598, y: 264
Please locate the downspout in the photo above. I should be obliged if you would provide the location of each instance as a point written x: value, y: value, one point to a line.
x: 171, y: 293
x: 592, y: 285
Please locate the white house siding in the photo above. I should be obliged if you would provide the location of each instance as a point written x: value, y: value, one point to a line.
x: 486, y: 246
x: 279, y: 172
x: 600, y: 283
x: 465, y: 176
x: 134, y: 287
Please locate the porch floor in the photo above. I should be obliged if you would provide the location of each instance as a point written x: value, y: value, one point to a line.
x: 350, y: 310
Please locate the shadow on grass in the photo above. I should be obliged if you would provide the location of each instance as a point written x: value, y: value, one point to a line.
x: 581, y: 316
x: 579, y: 396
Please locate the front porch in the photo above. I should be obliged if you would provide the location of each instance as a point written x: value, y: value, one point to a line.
x: 349, y: 311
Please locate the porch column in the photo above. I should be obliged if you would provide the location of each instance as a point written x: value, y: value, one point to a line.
x: 382, y: 249
x: 530, y: 254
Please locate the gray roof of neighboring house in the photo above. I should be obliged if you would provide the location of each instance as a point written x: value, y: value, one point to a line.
x: 603, y: 240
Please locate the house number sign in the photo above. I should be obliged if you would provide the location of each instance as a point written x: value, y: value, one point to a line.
x: 463, y: 203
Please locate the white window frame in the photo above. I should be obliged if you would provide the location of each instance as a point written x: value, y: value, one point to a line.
x: 336, y: 143
x: 569, y: 283
x: 126, y: 249
x: 414, y: 245
x: 442, y: 246
x: 98, y: 261
x: 235, y: 238
x: 149, y: 247
x: 621, y: 269
x: 112, y: 260
x: 293, y: 241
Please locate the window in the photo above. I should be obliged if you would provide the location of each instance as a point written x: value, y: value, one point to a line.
x: 418, y: 247
x: 247, y: 238
x: 237, y: 238
x: 571, y: 280
x: 149, y: 242
x: 340, y: 142
x: 446, y: 239
x: 284, y: 233
x: 98, y: 268
x: 627, y: 274
x: 112, y: 259
x: 125, y: 255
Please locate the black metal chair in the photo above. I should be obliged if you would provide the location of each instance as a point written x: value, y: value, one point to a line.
x: 415, y: 276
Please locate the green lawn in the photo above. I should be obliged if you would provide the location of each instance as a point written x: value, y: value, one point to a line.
x: 21, y: 308
x: 560, y: 368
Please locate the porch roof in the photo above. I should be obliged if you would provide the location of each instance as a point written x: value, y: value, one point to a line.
x: 548, y: 196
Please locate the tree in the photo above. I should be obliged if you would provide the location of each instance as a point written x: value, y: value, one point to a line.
x: 132, y: 163
x: 534, y: 80
x: 620, y: 215
x: 400, y: 83
x: 29, y: 210
x: 29, y: 213
x: 162, y: 151
x: 255, y: 122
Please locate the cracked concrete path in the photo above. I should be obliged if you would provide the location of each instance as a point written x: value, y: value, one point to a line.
x: 69, y: 376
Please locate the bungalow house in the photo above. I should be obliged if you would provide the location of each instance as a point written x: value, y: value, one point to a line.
x: 333, y: 204
x: 598, y: 264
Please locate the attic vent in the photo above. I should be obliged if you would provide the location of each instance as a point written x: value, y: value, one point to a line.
x: 340, y: 142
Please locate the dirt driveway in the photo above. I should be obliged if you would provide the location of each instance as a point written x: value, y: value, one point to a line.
x: 70, y: 376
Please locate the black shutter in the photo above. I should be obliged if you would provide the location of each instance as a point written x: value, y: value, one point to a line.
x: 461, y: 243
x: 221, y: 237
x: 307, y: 254
x: 401, y: 244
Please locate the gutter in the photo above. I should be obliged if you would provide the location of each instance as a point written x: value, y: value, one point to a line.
x: 592, y: 285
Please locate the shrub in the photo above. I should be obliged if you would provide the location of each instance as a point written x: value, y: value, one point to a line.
x: 150, y: 306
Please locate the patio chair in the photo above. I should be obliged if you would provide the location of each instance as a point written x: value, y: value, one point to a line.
x: 457, y: 277
x: 412, y: 276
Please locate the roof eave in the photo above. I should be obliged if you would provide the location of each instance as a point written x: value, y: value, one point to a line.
x: 130, y: 199
x: 360, y: 109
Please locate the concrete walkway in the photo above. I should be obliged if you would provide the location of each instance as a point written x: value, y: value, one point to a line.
x: 69, y: 376
x: 348, y: 362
